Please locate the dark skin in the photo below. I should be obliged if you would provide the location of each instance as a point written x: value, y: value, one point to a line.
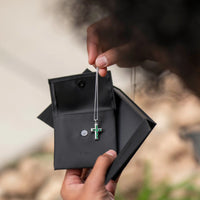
x: 78, y: 185
x: 105, y: 49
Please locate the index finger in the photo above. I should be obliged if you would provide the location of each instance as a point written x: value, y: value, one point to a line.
x: 72, y: 176
x: 92, y: 44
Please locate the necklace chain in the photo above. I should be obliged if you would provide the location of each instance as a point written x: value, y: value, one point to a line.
x: 96, y: 97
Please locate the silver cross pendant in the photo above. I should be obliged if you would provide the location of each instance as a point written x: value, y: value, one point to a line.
x: 96, y: 130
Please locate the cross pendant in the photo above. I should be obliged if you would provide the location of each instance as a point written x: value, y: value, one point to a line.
x: 96, y: 130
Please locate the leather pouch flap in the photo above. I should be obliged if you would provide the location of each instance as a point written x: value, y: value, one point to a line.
x: 75, y: 94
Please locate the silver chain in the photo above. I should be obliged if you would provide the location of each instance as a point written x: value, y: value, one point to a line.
x: 96, y: 92
x: 96, y: 98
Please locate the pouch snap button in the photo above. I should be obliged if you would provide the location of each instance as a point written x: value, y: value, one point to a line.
x: 81, y: 83
x: 84, y: 133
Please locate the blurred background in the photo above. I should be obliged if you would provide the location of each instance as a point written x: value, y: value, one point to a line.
x: 36, y: 46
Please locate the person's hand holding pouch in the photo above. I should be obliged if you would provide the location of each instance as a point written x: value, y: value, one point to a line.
x: 77, y: 185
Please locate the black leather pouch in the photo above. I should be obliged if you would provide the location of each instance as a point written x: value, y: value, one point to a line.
x: 73, y: 117
x: 132, y: 126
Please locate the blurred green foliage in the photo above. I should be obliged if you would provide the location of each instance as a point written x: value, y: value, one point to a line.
x: 185, y: 190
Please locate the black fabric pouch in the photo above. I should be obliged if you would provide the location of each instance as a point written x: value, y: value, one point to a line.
x: 73, y: 114
x: 124, y: 120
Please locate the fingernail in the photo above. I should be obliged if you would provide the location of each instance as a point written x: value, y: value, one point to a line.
x: 101, y: 61
x: 112, y: 153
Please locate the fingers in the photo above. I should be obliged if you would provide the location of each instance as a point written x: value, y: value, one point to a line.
x: 103, y: 72
x: 103, y: 162
x: 85, y: 173
x: 112, y: 56
x: 111, y: 185
x: 72, y: 176
x: 92, y: 44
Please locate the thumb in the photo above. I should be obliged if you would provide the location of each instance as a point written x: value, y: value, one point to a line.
x: 103, y: 162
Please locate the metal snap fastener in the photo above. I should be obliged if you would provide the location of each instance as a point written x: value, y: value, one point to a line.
x: 81, y: 83
x: 84, y: 133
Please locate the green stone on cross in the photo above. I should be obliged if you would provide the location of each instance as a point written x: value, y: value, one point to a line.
x: 96, y: 130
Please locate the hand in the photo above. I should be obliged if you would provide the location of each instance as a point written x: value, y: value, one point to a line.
x: 77, y: 186
x: 108, y: 43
